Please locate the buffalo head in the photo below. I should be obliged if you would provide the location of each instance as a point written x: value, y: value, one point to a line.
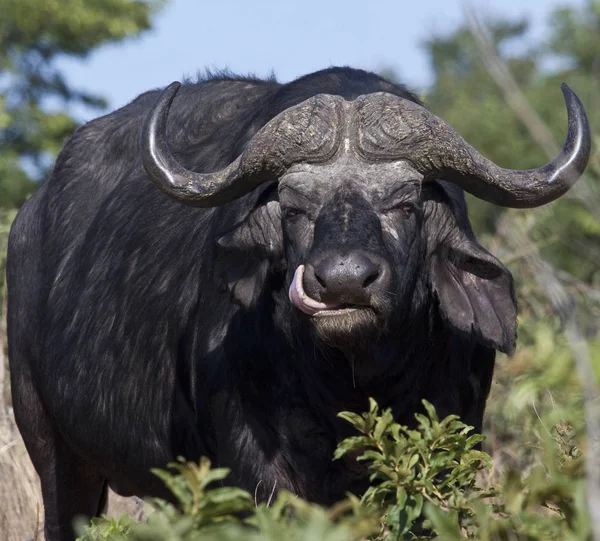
x: 369, y: 218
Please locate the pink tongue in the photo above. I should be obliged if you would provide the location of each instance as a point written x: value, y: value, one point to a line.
x: 301, y: 300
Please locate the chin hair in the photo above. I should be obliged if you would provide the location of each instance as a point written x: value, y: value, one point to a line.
x: 349, y: 329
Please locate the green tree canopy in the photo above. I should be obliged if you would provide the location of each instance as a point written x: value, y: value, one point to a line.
x: 466, y: 95
x: 34, y: 94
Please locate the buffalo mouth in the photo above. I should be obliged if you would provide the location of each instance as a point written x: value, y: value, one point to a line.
x: 346, y: 310
x: 300, y: 299
x: 340, y: 326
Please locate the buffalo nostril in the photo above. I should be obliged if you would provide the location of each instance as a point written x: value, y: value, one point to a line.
x: 320, y: 281
x: 371, y: 278
x: 344, y: 279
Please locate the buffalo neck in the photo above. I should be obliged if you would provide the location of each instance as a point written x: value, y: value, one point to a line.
x: 388, y: 368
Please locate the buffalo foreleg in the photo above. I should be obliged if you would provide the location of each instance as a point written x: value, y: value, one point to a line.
x: 71, y: 487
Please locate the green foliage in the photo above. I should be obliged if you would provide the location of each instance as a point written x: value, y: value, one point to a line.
x: 553, y: 253
x: 204, y: 507
x: 468, y: 97
x: 436, y: 463
x: 574, y: 36
x: 102, y: 528
x: 425, y: 483
x: 34, y: 95
x: 546, y: 504
x: 227, y: 513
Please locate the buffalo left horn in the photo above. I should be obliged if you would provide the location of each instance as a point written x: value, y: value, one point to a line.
x: 308, y: 132
x: 392, y: 128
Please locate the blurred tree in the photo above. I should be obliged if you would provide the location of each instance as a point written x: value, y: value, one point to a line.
x: 468, y: 97
x: 501, y: 91
x: 575, y: 37
x: 34, y: 95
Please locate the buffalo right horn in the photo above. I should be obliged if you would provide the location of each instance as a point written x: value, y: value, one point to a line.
x: 392, y: 128
x: 534, y: 187
x: 308, y: 132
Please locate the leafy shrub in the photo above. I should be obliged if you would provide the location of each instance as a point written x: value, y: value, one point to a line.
x: 426, y: 483
x: 435, y: 465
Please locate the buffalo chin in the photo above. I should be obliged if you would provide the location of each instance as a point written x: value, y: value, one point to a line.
x: 346, y: 327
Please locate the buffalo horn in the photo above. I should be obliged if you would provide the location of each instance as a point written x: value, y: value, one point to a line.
x: 308, y: 132
x: 391, y: 128
x: 534, y: 187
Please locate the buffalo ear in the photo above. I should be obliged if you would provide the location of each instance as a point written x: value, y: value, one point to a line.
x: 246, y: 253
x: 475, y: 291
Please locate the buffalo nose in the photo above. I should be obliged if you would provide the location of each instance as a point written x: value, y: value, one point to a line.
x: 343, y: 279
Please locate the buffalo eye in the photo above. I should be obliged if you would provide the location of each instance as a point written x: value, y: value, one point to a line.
x: 405, y: 208
x: 292, y: 213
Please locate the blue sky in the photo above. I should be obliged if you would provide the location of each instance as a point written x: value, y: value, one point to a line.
x: 289, y: 38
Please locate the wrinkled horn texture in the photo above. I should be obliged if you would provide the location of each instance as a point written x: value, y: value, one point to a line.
x: 383, y: 127
x: 390, y: 128
x: 308, y: 132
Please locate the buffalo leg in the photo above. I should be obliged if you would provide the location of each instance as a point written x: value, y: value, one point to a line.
x: 70, y: 485
x: 70, y: 489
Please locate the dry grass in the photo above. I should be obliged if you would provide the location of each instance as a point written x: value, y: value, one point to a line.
x: 20, y: 496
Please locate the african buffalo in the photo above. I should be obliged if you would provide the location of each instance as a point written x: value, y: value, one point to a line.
x: 314, y: 250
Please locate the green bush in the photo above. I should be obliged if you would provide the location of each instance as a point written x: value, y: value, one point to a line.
x: 425, y: 483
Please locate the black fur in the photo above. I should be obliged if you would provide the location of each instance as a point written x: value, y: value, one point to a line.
x: 140, y: 329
